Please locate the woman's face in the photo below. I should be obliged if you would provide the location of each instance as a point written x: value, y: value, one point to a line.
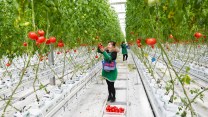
x: 110, y: 46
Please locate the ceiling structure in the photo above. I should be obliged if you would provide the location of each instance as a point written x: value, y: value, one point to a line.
x: 120, y: 7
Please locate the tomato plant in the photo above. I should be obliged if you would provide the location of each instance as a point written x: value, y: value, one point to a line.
x: 94, y: 18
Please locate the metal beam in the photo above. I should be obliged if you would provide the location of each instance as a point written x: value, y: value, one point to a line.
x: 121, y: 12
x: 117, y: 3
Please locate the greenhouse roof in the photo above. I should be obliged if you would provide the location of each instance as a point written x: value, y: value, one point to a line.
x: 120, y: 7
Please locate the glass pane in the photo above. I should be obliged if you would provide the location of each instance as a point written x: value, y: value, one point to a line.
x: 120, y: 7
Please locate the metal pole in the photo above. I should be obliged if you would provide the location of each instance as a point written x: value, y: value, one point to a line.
x: 52, y: 80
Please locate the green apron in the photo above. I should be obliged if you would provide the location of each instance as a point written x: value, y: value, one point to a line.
x: 112, y: 75
x: 124, y: 50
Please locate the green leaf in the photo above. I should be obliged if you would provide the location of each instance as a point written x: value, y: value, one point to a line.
x: 186, y: 79
x: 183, y: 114
x: 187, y: 69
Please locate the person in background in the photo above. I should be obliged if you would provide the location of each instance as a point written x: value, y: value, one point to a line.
x: 110, y: 54
x: 124, y: 51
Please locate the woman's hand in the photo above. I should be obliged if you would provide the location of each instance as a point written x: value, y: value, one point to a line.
x: 102, y: 49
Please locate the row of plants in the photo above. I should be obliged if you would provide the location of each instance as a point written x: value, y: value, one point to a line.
x: 75, y: 23
x: 35, y: 27
x: 170, y: 25
x: 80, y: 61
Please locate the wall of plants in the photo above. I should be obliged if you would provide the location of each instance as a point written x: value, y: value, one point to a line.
x: 167, y: 20
x: 73, y: 23
x: 166, y: 31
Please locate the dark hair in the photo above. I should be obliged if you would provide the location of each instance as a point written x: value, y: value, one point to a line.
x: 122, y: 42
x: 113, y: 43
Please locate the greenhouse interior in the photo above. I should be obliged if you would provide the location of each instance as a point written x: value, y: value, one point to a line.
x: 103, y: 58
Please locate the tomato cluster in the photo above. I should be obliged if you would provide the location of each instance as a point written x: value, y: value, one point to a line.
x: 39, y: 38
x: 114, y: 109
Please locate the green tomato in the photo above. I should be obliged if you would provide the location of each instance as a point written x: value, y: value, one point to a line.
x: 25, y: 24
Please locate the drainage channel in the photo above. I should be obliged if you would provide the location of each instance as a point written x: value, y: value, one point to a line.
x: 154, y: 108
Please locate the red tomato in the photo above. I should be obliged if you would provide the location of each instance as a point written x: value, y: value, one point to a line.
x: 108, y: 108
x: 96, y: 56
x: 25, y: 44
x: 58, y: 53
x: 41, y: 32
x: 197, y: 35
x: 117, y: 110
x: 75, y: 51
x: 8, y: 64
x: 112, y: 109
x: 60, y: 44
x: 41, y: 39
x: 115, y: 107
x: 171, y: 36
x: 138, y: 41
x: 100, y: 45
x: 151, y: 41
x: 52, y: 39
x: 121, y: 110
x: 33, y: 35
x: 48, y: 41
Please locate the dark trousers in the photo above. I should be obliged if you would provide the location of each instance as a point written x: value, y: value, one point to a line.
x: 125, y: 56
x: 111, y: 89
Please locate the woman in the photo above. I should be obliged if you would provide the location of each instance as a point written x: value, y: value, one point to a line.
x: 110, y: 54
x: 124, y: 51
